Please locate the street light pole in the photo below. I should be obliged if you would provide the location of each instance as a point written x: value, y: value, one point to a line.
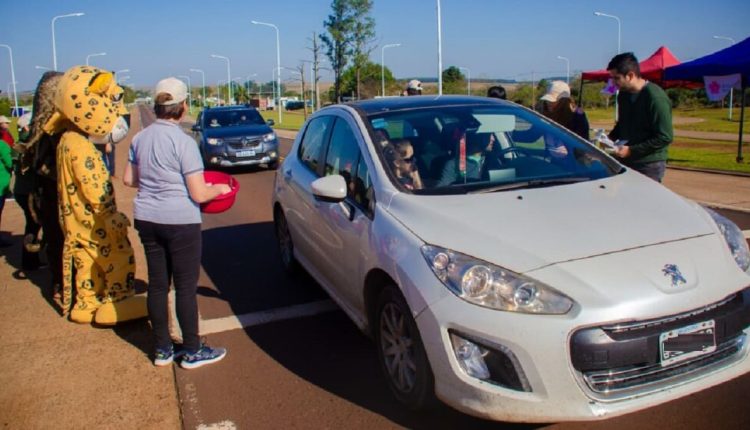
x: 54, y: 48
x: 468, y: 75
x: 567, y: 64
x: 731, y: 90
x: 278, y: 62
x: 440, y: 51
x: 382, y: 65
x: 203, y: 81
x: 12, y: 77
x: 618, y: 26
x: 229, y: 77
x: 190, y: 101
x: 117, y: 73
x: 617, y: 94
x: 98, y: 54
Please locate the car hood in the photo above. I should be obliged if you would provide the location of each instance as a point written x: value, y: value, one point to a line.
x: 527, y: 229
x: 228, y: 132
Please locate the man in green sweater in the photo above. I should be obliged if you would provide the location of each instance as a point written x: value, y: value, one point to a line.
x: 644, y: 118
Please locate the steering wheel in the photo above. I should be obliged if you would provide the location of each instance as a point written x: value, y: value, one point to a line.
x: 512, y: 149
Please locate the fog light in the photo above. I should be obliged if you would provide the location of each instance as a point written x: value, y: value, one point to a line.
x: 214, y: 160
x: 272, y: 154
x: 470, y: 356
x: 489, y: 362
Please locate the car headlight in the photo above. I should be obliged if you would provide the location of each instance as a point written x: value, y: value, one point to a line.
x: 487, y: 285
x: 213, y: 141
x: 734, y: 238
x: 269, y: 137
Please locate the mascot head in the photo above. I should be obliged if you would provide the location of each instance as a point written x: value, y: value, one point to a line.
x: 89, y: 101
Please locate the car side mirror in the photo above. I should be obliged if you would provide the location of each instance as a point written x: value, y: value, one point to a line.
x: 331, y: 189
x: 270, y: 122
x: 196, y: 127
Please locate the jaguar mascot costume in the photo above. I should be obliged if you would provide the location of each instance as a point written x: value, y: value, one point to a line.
x: 97, y: 257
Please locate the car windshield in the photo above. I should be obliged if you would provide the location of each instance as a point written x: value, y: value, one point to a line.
x: 233, y: 118
x: 468, y: 149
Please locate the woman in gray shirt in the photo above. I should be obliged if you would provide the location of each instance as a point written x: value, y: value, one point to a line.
x: 165, y: 165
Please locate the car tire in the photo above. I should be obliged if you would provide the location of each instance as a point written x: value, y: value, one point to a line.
x: 286, y: 246
x: 273, y: 165
x: 401, y: 353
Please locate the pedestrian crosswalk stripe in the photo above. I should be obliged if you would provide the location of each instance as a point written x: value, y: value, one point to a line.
x: 233, y: 322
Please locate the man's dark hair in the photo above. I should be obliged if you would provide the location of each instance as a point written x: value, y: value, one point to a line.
x: 497, y: 92
x: 163, y: 111
x: 625, y: 63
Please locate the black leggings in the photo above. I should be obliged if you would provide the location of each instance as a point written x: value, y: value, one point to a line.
x: 172, y: 251
x: 29, y: 260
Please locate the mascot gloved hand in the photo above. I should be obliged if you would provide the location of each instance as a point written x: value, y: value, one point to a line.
x: 97, y: 256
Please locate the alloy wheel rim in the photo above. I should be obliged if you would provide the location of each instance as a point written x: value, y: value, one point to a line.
x: 396, y: 344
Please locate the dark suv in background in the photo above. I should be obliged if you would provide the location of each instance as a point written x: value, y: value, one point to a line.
x: 235, y: 136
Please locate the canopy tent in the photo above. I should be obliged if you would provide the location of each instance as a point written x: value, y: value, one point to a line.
x: 652, y: 68
x: 729, y: 61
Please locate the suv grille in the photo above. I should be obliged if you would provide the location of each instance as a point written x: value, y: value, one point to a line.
x: 244, y: 142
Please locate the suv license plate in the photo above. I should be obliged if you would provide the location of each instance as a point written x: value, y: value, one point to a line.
x: 687, y: 342
x: 245, y: 153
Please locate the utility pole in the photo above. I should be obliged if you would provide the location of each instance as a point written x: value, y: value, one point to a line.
x: 315, y: 69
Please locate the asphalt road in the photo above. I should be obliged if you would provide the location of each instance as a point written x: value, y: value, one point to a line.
x: 295, y: 360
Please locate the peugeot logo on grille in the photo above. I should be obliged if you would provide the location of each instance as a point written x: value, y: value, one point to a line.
x: 673, y: 272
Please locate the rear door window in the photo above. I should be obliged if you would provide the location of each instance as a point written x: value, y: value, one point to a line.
x: 311, y: 148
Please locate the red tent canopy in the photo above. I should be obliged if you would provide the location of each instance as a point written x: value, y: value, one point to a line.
x: 652, y: 68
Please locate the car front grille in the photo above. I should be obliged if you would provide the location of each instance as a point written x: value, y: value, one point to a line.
x: 241, y: 143
x: 622, y: 360
x: 626, y: 381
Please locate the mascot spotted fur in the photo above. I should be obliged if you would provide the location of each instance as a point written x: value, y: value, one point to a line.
x: 97, y: 257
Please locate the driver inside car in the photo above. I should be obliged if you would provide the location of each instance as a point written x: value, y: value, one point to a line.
x: 476, y: 154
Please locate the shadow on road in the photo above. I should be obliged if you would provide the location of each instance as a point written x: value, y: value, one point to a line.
x: 40, y: 278
x: 326, y: 350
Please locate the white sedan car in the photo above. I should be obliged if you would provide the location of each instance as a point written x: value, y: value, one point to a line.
x: 507, y: 267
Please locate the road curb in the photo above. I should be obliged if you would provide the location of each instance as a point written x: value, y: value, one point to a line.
x: 716, y: 172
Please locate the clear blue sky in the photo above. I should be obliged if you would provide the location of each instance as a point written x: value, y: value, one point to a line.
x: 493, y: 38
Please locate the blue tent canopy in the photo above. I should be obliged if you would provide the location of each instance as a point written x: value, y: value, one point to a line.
x: 728, y: 61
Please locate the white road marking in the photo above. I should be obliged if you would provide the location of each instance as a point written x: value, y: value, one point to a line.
x: 746, y: 233
x: 233, y: 322
x: 223, y: 425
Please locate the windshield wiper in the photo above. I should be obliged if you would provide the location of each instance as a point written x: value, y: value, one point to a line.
x: 533, y: 183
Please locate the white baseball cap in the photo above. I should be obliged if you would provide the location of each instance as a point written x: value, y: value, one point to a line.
x: 4, y: 119
x: 556, y: 90
x: 414, y: 85
x: 24, y: 120
x: 174, y: 87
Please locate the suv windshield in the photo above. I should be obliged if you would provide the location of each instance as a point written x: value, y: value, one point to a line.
x: 452, y: 150
x: 233, y: 118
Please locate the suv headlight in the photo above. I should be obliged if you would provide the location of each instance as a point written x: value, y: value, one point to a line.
x: 735, y: 240
x: 213, y: 141
x: 269, y: 137
x: 487, y: 285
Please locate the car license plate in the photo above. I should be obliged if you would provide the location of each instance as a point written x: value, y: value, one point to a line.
x: 250, y: 153
x: 687, y: 342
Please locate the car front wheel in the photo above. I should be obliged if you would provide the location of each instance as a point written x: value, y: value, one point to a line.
x: 286, y: 246
x: 401, y: 353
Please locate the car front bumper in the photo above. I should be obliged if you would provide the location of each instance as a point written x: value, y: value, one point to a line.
x: 539, y: 349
